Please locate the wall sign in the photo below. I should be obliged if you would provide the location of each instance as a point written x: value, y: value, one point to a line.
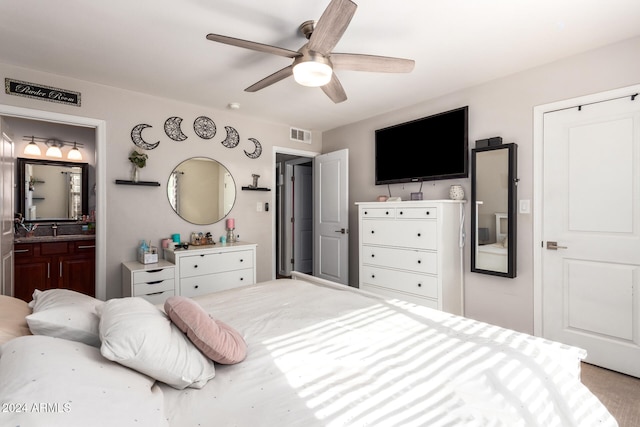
x: 46, y: 93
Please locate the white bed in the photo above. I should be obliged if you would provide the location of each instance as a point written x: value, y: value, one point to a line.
x: 321, y: 354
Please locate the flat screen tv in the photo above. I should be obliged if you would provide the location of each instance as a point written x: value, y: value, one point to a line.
x: 427, y: 149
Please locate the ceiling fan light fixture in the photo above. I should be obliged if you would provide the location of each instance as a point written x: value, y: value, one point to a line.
x: 312, y: 73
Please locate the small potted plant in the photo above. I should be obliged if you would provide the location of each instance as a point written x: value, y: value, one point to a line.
x: 138, y: 161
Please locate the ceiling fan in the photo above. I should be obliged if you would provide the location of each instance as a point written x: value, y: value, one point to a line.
x: 313, y: 63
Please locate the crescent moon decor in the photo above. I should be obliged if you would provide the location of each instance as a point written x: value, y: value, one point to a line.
x: 136, y: 137
x: 233, y: 138
x: 256, y: 153
x: 172, y: 129
x: 204, y: 127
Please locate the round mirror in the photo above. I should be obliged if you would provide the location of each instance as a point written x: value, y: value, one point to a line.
x: 201, y: 190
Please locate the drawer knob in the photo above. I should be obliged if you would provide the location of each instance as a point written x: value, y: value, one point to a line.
x: 373, y: 255
x: 401, y: 212
x: 195, y: 266
x: 241, y: 279
x: 419, y: 285
x: 428, y: 213
x: 241, y: 260
x: 196, y: 286
x: 419, y: 234
x: 373, y: 276
x: 373, y: 232
x: 365, y: 212
x: 419, y: 261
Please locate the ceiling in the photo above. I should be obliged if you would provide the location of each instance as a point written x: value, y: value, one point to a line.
x: 159, y: 47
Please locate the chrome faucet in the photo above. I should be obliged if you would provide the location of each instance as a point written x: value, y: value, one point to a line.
x: 54, y: 228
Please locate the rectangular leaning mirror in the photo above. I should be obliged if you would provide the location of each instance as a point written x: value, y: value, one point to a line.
x: 49, y: 190
x: 493, y: 210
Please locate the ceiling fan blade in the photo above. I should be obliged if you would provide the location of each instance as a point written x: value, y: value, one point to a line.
x: 269, y: 80
x: 334, y: 90
x: 373, y: 63
x: 253, y: 45
x: 331, y: 26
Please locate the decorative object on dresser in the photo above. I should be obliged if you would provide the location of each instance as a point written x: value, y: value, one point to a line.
x: 456, y: 192
x: 54, y: 262
x: 201, y: 270
x: 412, y: 251
x: 153, y: 282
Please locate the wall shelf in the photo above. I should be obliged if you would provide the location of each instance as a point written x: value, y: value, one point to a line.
x: 144, y: 183
x: 256, y: 189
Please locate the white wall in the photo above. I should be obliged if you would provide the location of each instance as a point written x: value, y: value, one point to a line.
x: 135, y: 213
x: 503, y: 108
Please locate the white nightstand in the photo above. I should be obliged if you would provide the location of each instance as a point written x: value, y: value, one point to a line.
x: 154, y: 282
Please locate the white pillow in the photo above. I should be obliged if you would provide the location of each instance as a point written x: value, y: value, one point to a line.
x: 64, y: 313
x: 137, y: 334
x: 48, y: 381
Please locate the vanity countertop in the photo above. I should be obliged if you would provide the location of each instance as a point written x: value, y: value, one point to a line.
x: 61, y: 238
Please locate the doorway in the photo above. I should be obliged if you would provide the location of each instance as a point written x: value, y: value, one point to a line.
x: 294, y: 214
x: 100, y: 174
x: 587, y: 264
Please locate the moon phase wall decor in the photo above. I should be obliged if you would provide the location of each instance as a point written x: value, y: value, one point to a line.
x: 232, y: 139
x: 204, y: 127
x: 173, y: 130
x: 256, y: 153
x: 136, y: 137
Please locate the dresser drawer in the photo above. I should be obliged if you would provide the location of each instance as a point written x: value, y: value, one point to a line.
x: 216, y: 262
x: 410, y: 233
x: 140, y: 289
x: 412, y: 298
x: 209, y: 283
x: 423, y: 285
x: 381, y: 212
x: 148, y: 276
x: 417, y: 213
x: 403, y: 259
x: 158, y: 297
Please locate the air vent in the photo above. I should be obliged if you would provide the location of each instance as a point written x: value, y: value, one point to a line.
x: 300, y: 135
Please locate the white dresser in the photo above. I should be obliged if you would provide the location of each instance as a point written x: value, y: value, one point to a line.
x: 413, y: 251
x: 205, y: 269
x: 154, y: 282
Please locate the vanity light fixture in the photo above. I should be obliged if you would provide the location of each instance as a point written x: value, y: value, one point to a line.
x: 32, y: 148
x: 74, y: 153
x: 53, y: 150
x: 54, y: 147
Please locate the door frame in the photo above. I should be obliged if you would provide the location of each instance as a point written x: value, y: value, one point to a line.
x: 100, y: 127
x: 274, y: 229
x: 538, y: 173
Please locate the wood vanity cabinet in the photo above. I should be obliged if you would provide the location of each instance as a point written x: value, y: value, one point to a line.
x: 49, y: 265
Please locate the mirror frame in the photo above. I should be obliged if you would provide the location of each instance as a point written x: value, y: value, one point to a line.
x: 191, y: 220
x: 22, y: 162
x: 512, y: 211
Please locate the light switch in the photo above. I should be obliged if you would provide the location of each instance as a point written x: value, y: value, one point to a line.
x: 524, y: 206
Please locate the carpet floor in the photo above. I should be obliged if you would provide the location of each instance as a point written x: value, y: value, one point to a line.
x: 620, y: 393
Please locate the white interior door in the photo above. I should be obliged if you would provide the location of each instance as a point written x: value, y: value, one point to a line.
x: 591, y: 209
x: 331, y: 216
x: 7, y: 170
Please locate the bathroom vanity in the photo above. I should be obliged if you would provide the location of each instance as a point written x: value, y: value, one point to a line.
x: 49, y: 262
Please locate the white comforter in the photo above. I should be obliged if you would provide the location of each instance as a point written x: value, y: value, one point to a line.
x: 336, y: 356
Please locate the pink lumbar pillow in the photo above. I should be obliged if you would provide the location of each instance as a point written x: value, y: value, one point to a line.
x: 217, y: 340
